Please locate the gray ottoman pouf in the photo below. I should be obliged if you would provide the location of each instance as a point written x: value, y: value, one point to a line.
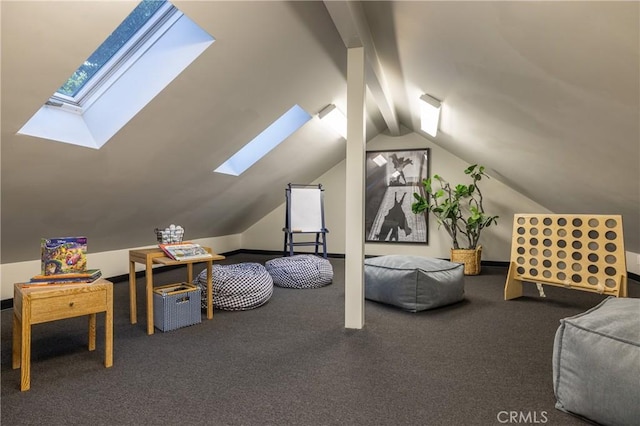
x: 300, y: 271
x: 413, y: 283
x: 596, y: 363
x: 237, y: 287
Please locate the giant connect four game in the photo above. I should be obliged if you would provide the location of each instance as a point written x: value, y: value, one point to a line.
x: 582, y: 252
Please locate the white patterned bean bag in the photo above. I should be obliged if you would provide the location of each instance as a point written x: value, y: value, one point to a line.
x: 237, y: 287
x: 300, y: 271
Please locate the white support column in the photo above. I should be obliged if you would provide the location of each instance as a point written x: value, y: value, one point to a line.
x: 354, y: 229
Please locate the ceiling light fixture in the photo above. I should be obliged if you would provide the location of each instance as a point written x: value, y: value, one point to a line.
x: 429, y: 114
x: 335, y: 118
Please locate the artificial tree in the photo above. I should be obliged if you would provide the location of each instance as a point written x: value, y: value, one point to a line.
x: 458, y: 208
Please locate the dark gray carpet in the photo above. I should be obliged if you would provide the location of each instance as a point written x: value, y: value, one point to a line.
x: 292, y: 362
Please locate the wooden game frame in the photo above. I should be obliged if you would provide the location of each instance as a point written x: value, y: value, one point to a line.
x: 582, y: 252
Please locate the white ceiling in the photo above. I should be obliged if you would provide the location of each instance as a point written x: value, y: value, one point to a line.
x: 545, y: 94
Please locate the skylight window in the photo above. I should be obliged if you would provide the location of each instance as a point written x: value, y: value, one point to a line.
x: 113, y: 85
x: 270, y: 137
x: 111, y: 46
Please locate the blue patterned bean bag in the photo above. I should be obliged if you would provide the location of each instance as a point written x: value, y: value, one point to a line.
x: 237, y: 287
x: 300, y: 271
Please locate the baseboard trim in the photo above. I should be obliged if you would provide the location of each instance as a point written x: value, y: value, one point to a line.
x: 280, y: 253
x: 8, y: 303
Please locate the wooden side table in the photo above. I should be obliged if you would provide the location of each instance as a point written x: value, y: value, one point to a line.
x: 155, y: 255
x: 35, y: 305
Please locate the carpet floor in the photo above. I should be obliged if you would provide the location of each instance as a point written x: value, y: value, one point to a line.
x: 292, y: 362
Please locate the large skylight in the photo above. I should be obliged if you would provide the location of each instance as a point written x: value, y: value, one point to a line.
x: 111, y: 46
x: 113, y: 85
x: 270, y: 137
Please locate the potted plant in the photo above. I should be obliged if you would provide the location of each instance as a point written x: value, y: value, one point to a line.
x: 460, y: 211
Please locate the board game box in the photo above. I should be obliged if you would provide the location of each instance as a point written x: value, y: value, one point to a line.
x: 63, y: 255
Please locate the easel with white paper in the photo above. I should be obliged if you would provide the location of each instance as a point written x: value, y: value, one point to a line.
x: 305, y: 215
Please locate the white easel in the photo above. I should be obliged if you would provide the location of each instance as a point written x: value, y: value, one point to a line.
x: 305, y: 215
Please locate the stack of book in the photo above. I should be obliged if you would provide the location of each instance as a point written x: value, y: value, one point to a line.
x: 185, y: 251
x: 87, y: 277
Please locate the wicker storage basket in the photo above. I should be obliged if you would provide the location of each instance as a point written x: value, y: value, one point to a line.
x: 469, y: 257
x: 176, y: 306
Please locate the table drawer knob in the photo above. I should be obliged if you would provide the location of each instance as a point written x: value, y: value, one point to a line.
x: 71, y: 304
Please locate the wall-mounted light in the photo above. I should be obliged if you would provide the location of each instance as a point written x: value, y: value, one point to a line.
x: 335, y: 118
x: 429, y: 114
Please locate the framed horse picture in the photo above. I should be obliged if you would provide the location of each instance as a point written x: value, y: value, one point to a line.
x: 391, y: 179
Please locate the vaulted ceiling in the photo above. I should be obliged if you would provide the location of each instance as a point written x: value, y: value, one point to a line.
x: 545, y: 94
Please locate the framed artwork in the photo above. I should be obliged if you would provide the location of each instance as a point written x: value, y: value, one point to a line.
x: 391, y: 179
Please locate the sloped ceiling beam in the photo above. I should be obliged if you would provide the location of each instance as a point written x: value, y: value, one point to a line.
x: 352, y: 25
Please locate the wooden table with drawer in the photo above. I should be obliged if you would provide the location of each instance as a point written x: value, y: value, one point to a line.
x: 39, y: 304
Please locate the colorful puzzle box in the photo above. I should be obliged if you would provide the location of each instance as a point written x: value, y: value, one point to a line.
x: 64, y: 255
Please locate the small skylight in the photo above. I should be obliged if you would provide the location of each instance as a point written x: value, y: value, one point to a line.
x: 271, y: 137
x: 113, y: 85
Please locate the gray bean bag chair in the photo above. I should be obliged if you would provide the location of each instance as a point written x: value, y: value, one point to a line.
x: 413, y: 283
x: 300, y: 271
x: 237, y: 287
x: 596, y: 363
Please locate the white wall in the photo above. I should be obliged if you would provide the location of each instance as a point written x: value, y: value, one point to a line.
x: 499, y: 199
x: 111, y: 263
x: 267, y: 234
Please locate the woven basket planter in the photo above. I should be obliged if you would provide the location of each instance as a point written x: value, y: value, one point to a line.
x: 469, y: 257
